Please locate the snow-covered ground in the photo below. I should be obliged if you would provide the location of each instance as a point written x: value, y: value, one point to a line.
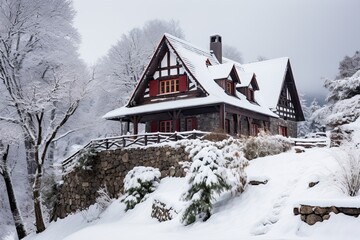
x: 261, y: 212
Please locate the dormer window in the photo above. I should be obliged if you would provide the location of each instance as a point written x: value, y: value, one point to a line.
x: 250, y: 95
x: 229, y: 89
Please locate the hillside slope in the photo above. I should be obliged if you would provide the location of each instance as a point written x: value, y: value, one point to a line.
x: 261, y: 212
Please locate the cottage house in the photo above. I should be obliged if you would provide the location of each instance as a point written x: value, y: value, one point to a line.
x: 185, y: 87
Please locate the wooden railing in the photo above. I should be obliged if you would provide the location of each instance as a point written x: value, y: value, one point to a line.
x: 124, y: 141
x: 311, y: 142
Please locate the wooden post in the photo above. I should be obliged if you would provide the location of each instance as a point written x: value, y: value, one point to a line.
x: 135, y: 125
x: 106, y: 144
x: 145, y: 139
x: 222, y: 117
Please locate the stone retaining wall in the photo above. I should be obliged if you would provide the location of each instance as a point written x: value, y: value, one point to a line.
x: 314, y: 214
x: 108, y: 169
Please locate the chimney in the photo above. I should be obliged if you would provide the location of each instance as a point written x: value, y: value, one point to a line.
x: 216, y: 46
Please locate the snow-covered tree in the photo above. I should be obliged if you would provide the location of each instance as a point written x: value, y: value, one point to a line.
x: 303, y: 127
x: 5, y: 173
x: 315, y: 124
x: 349, y: 66
x: 343, y: 88
x: 232, y: 53
x: 138, y: 183
x: 215, y: 168
x: 42, y: 75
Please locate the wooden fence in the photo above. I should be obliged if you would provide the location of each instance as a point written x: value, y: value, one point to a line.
x: 124, y: 141
x: 311, y: 142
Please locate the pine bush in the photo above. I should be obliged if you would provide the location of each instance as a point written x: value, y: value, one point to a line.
x: 138, y: 183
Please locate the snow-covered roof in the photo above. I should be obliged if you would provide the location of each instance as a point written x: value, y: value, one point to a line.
x: 245, y: 78
x: 270, y: 75
x: 195, y: 60
x: 220, y: 71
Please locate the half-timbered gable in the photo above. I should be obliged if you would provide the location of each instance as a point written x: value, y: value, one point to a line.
x: 278, y: 92
x: 185, y: 87
x: 166, y: 78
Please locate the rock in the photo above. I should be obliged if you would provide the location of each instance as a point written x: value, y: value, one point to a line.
x: 296, y: 211
x: 326, y: 217
x: 334, y: 209
x: 255, y: 182
x: 125, y: 157
x: 312, y: 184
x: 313, y: 218
x: 349, y: 211
x: 299, y: 149
x: 305, y: 209
x: 172, y: 172
x: 303, y: 218
x: 321, y: 211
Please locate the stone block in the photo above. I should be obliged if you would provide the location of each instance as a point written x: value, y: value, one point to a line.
x: 334, y: 209
x: 296, y: 211
x: 125, y: 158
x: 255, y: 182
x: 312, y: 184
x: 313, y: 218
x: 321, y: 211
x: 349, y: 211
x: 305, y: 209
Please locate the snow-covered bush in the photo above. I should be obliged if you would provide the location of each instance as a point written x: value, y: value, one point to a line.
x: 216, y: 168
x: 347, y: 177
x: 85, y: 159
x: 139, y: 182
x: 216, y: 136
x: 265, y: 145
x: 101, y: 203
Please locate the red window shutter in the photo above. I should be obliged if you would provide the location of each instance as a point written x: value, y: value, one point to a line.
x: 182, y: 83
x: 154, y: 126
x: 194, y: 123
x: 153, y: 88
x: 177, y: 125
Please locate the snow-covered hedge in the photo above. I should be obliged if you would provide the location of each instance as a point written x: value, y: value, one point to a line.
x: 102, y: 202
x: 139, y: 182
x: 347, y: 177
x: 216, y: 168
x: 264, y: 145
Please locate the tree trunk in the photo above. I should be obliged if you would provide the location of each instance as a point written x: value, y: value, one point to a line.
x: 20, y: 229
x: 30, y: 161
x: 39, y: 221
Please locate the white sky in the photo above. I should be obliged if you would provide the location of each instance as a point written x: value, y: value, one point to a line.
x: 315, y: 34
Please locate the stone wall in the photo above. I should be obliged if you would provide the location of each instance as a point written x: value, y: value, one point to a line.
x: 108, y: 169
x: 291, y: 126
x: 314, y: 214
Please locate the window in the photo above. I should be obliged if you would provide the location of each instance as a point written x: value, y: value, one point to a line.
x: 227, y: 126
x: 169, y: 86
x: 166, y: 126
x: 191, y: 123
x: 283, y: 131
x: 254, y: 129
x: 250, y: 95
x: 229, y: 87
